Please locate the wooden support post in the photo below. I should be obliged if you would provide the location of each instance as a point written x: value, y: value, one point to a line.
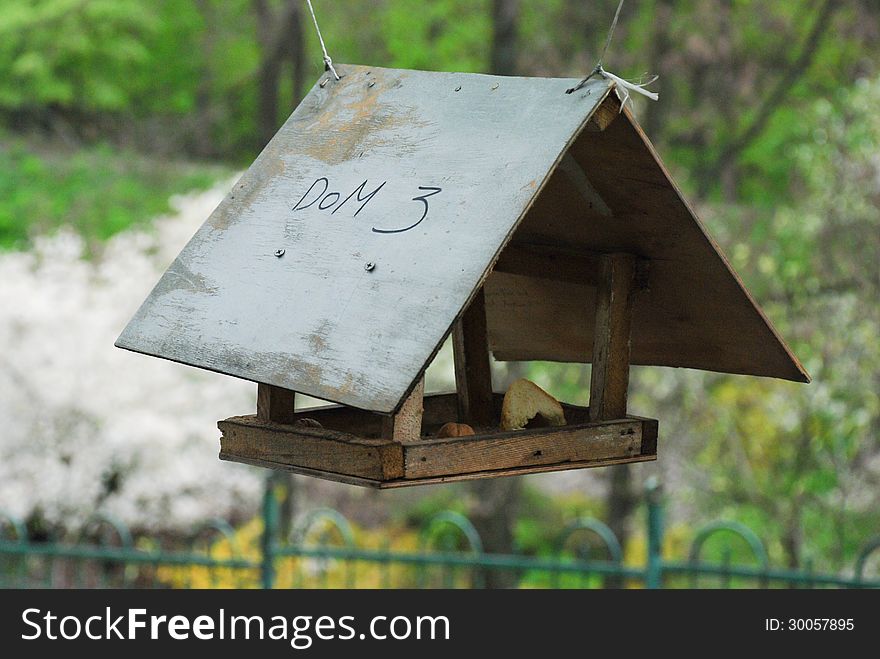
x: 406, y: 425
x: 473, y: 373
x: 274, y: 404
x: 611, y: 338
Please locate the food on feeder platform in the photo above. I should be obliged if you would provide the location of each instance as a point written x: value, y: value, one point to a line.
x: 453, y: 429
x: 309, y: 423
x: 524, y: 401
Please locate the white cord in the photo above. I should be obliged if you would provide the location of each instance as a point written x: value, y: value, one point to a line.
x: 327, y: 61
x: 625, y: 86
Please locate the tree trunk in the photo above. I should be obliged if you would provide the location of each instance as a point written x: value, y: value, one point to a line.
x: 621, y: 503
x: 791, y: 540
x: 280, y: 35
x: 658, y: 58
x: 296, y: 53
x: 497, y: 500
x: 267, y: 103
x: 494, y: 509
x: 505, y: 20
x: 204, y: 120
x: 268, y: 76
x: 494, y: 513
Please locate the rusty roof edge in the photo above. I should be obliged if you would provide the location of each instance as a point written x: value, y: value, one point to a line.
x: 609, y: 86
x: 805, y: 376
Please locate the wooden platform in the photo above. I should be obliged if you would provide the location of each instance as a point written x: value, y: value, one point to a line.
x: 335, y: 452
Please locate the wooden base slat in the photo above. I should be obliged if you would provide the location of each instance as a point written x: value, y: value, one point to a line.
x: 438, y: 409
x: 524, y: 448
x: 513, y: 471
x: 314, y: 448
x: 439, y: 480
x: 376, y: 462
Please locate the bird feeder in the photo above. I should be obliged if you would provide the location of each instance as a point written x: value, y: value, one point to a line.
x: 397, y: 207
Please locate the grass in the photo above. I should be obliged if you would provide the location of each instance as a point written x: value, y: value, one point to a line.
x: 96, y: 190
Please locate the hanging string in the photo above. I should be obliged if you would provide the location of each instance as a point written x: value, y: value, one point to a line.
x: 624, y: 86
x: 610, y: 34
x: 328, y: 63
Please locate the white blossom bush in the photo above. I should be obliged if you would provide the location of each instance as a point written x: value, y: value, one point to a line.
x: 88, y: 427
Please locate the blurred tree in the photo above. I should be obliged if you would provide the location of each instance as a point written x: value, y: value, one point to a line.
x: 203, y: 95
x: 505, y: 20
x: 73, y: 55
x: 732, y: 75
x: 450, y: 35
x: 280, y: 35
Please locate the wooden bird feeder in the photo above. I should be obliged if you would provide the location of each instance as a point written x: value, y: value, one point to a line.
x: 396, y: 207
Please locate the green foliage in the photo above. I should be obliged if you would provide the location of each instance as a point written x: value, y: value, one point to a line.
x: 793, y: 461
x: 222, y: 86
x: 97, y: 191
x: 718, y: 62
x: 444, y: 35
x: 84, y: 60
x: 74, y: 54
x: 537, y: 530
x: 422, y: 509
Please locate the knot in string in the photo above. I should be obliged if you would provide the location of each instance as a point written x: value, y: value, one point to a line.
x: 624, y: 87
x: 328, y: 63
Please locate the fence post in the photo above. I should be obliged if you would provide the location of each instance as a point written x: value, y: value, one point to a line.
x: 270, y: 530
x: 654, y: 567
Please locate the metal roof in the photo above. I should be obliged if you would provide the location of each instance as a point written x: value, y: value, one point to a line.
x: 338, y: 262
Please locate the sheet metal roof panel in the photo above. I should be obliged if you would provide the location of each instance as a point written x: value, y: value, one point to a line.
x: 338, y: 262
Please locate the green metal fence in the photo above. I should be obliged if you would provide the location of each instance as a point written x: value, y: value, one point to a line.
x: 321, y: 551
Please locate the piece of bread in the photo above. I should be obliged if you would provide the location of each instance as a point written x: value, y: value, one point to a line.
x: 524, y: 401
x: 453, y: 429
